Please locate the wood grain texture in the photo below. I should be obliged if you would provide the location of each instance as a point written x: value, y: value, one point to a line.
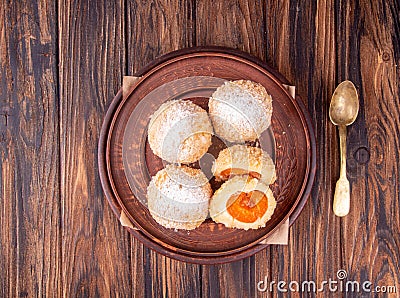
x: 61, y: 64
x: 30, y: 201
x: 239, y: 25
x: 95, y: 249
x: 236, y: 24
x: 371, y: 233
x: 168, y: 27
x: 154, y: 28
x: 309, y: 23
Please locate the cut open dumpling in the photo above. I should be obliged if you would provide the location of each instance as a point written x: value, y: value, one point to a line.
x: 242, y: 202
x: 244, y: 160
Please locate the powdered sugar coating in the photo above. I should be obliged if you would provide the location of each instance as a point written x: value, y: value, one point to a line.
x: 180, y: 132
x: 178, y: 197
x: 240, y: 110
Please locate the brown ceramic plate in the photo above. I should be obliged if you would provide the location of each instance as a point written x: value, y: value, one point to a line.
x: 126, y: 163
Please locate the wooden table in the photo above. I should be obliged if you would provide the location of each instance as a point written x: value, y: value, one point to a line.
x: 63, y: 61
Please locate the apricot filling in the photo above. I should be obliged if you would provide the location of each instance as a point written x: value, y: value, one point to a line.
x: 225, y: 174
x: 247, y: 207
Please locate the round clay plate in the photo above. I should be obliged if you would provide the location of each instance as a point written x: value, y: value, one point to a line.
x: 127, y: 163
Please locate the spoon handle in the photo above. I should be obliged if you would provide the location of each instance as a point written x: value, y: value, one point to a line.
x: 341, y: 199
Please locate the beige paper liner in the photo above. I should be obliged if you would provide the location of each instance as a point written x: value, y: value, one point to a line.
x: 125, y: 222
x: 279, y: 237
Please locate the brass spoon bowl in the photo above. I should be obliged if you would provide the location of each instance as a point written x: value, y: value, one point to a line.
x: 343, y: 111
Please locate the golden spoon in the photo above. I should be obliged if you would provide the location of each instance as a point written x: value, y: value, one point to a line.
x: 342, y: 112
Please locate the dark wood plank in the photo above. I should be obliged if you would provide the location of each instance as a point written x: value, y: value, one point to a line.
x: 95, y: 248
x: 237, y: 24
x: 59, y: 238
x: 29, y: 150
x: 316, y: 65
x: 154, y: 28
x: 229, y: 280
x: 371, y: 232
x: 302, y: 47
x: 240, y: 25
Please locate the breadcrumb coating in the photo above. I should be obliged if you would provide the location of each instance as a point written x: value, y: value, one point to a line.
x: 180, y: 132
x: 246, y: 158
x: 178, y: 197
x: 240, y: 110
